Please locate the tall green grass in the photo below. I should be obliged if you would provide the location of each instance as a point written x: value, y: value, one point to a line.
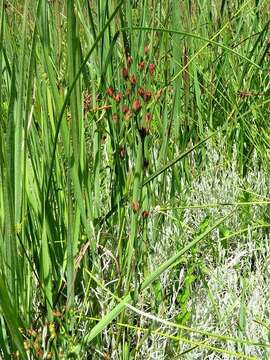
x: 110, y: 113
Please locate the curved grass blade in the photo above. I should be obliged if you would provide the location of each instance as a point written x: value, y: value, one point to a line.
x: 195, y: 36
x: 170, y: 263
x: 179, y: 326
x: 174, y: 161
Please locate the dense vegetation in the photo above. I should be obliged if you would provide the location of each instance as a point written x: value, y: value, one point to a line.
x: 134, y: 179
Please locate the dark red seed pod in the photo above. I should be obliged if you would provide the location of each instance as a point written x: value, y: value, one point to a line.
x: 141, y: 65
x: 125, y: 73
x: 118, y: 97
x: 109, y: 91
x: 133, y: 80
x: 143, y: 132
x: 136, y: 106
x: 147, y: 96
x: 145, y: 214
x: 151, y: 68
x: 125, y: 109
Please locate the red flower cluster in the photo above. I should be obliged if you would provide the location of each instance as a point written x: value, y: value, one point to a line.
x: 136, y: 106
x: 110, y: 92
x: 151, y: 68
x: 141, y: 65
x: 118, y: 97
x: 133, y: 97
x: 133, y: 80
x: 125, y: 73
x: 145, y: 94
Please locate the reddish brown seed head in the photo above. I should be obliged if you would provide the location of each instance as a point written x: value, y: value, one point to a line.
x: 143, y: 132
x: 151, y: 68
x: 145, y: 214
x: 133, y: 80
x: 109, y: 91
x: 125, y: 73
x: 135, y: 206
x: 147, y: 96
x: 118, y: 97
x: 125, y: 109
x: 146, y: 50
x: 141, y: 65
x: 136, y: 106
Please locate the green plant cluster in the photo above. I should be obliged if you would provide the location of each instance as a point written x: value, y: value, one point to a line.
x: 110, y: 113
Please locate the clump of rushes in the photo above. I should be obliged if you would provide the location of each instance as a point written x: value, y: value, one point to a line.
x: 88, y: 214
x: 133, y: 105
